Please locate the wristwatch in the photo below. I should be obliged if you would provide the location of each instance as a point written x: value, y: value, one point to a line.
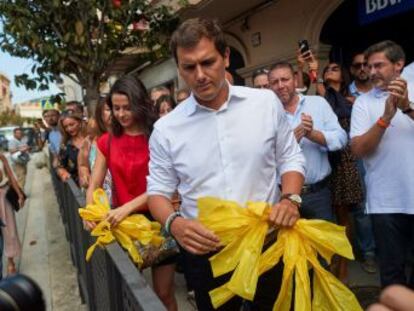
x: 292, y: 197
x: 409, y: 109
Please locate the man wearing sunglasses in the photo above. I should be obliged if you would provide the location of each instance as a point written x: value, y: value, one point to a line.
x: 359, y: 72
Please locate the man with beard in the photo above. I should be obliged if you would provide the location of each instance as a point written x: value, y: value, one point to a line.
x: 382, y: 133
x: 359, y: 72
x: 52, y: 134
x: 363, y: 225
x: 317, y: 131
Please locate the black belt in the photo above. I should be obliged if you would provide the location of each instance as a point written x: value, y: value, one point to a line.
x: 311, y: 188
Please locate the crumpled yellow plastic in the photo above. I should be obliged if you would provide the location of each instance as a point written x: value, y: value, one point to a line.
x: 133, y: 228
x: 243, y: 230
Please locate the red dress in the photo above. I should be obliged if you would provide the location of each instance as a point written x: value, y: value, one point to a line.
x: 127, y: 159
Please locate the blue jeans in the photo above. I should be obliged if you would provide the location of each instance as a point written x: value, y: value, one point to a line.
x: 363, y: 224
x: 317, y: 205
x: 394, y: 236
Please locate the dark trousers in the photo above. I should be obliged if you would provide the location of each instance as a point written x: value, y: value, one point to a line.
x: 199, y: 273
x: 317, y: 205
x: 394, y: 237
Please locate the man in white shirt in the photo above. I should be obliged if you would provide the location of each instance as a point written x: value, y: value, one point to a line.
x: 223, y: 141
x: 382, y: 132
x: 317, y: 131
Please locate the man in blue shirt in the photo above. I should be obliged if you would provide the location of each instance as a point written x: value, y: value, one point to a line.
x: 53, y: 135
x: 317, y: 131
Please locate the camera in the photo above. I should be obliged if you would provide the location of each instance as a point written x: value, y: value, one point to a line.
x: 303, y: 46
x: 20, y: 293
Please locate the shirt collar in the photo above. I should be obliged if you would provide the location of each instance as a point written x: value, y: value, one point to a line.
x: 301, y: 102
x: 235, y: 93
x: 353, y: 89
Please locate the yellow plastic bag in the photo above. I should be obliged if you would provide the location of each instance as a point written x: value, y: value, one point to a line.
x: 133, y: 228
x: 242, y: 231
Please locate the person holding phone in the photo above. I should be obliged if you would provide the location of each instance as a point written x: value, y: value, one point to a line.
x: 382, y: 133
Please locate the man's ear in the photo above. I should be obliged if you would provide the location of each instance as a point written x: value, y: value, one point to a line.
x: 399, y: 65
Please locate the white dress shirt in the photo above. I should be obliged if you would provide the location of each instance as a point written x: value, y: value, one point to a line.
x: 408, y: 75
x: 390, y: 168
x: 233, y: 153
x: 324, y: 121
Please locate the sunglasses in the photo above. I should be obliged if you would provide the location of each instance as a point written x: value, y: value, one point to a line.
x: 359, y: 65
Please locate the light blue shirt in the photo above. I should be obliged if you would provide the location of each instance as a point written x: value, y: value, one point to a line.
x: 353, y: 90
x: 325, y: 121
x: 233, y: 153
x: 55, y: 139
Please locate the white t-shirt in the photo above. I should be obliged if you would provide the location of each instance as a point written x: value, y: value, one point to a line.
x: 390, y: 169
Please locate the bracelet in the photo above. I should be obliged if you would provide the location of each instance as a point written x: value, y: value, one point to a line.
x: 382, y: 123
x: 170, y: 220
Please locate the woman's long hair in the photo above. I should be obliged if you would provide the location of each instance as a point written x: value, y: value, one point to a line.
x: 71, y: 115
x: 141, y: 106
x: 103, y: 100
x: 345, y: 78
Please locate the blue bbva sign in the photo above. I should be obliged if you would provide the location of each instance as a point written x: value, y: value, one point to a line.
x: 373, y: 10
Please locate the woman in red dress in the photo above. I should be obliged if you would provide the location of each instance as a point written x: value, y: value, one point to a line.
x: 125, y: 153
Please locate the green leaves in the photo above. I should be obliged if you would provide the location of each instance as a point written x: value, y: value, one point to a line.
x: 80, y: 39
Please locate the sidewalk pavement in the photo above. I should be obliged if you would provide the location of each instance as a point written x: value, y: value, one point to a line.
x: 45, y: 252
x: 46, y: 258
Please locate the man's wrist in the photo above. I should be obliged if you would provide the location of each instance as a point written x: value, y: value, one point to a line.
x: 171, y: 219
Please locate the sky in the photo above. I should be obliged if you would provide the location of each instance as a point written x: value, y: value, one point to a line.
x: 11, y: 66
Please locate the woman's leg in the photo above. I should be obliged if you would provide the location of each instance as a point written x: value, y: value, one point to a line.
x: 163, y: 282
x: 342, y: 213
x: 11, y: 266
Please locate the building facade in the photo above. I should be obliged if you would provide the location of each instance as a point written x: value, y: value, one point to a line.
x: 262, y: 32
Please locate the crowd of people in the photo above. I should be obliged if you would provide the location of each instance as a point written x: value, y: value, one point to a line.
x: 328, y: 143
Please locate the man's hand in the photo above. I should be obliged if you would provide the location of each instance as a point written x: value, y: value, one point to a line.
x: 307, y: 123
x: 299, y: 132
x: 22, y: 199
x: 394, y: 298
x: 116, y: 215
x: 398, y: 93
x: 194, y: 237
x: 284, y: 214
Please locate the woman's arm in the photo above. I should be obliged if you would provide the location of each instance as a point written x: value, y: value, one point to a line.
x: 98, y: 175
x: 12, y: 180
x: 84, y: 170
x: 138, y: 204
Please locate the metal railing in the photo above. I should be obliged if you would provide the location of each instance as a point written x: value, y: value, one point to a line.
x: 109, y: 281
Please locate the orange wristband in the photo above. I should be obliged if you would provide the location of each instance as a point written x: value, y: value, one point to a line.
x: 382, y: 123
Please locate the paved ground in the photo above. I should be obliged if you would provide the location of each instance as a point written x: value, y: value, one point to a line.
x: 46, y: 258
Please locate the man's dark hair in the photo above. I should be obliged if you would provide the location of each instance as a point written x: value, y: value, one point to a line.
x: 259, y: 72
x: 17, y: 129
x: 193, y: 30
x: 47, y: 110
x: 392, y: 50
x: 282, y: 64
x: 141, y: 105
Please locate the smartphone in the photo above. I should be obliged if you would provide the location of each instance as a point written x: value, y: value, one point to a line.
x: 303, y: 46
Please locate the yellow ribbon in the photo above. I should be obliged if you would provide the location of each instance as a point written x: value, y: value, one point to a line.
x: 243, y: 230
x: 133, y: 228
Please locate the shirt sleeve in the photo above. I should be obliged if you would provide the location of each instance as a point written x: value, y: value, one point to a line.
x: 102, y: 144
x: 162, y: 178
x: 360, y: 120
x: 335, y: 136
x: 289, y: 156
